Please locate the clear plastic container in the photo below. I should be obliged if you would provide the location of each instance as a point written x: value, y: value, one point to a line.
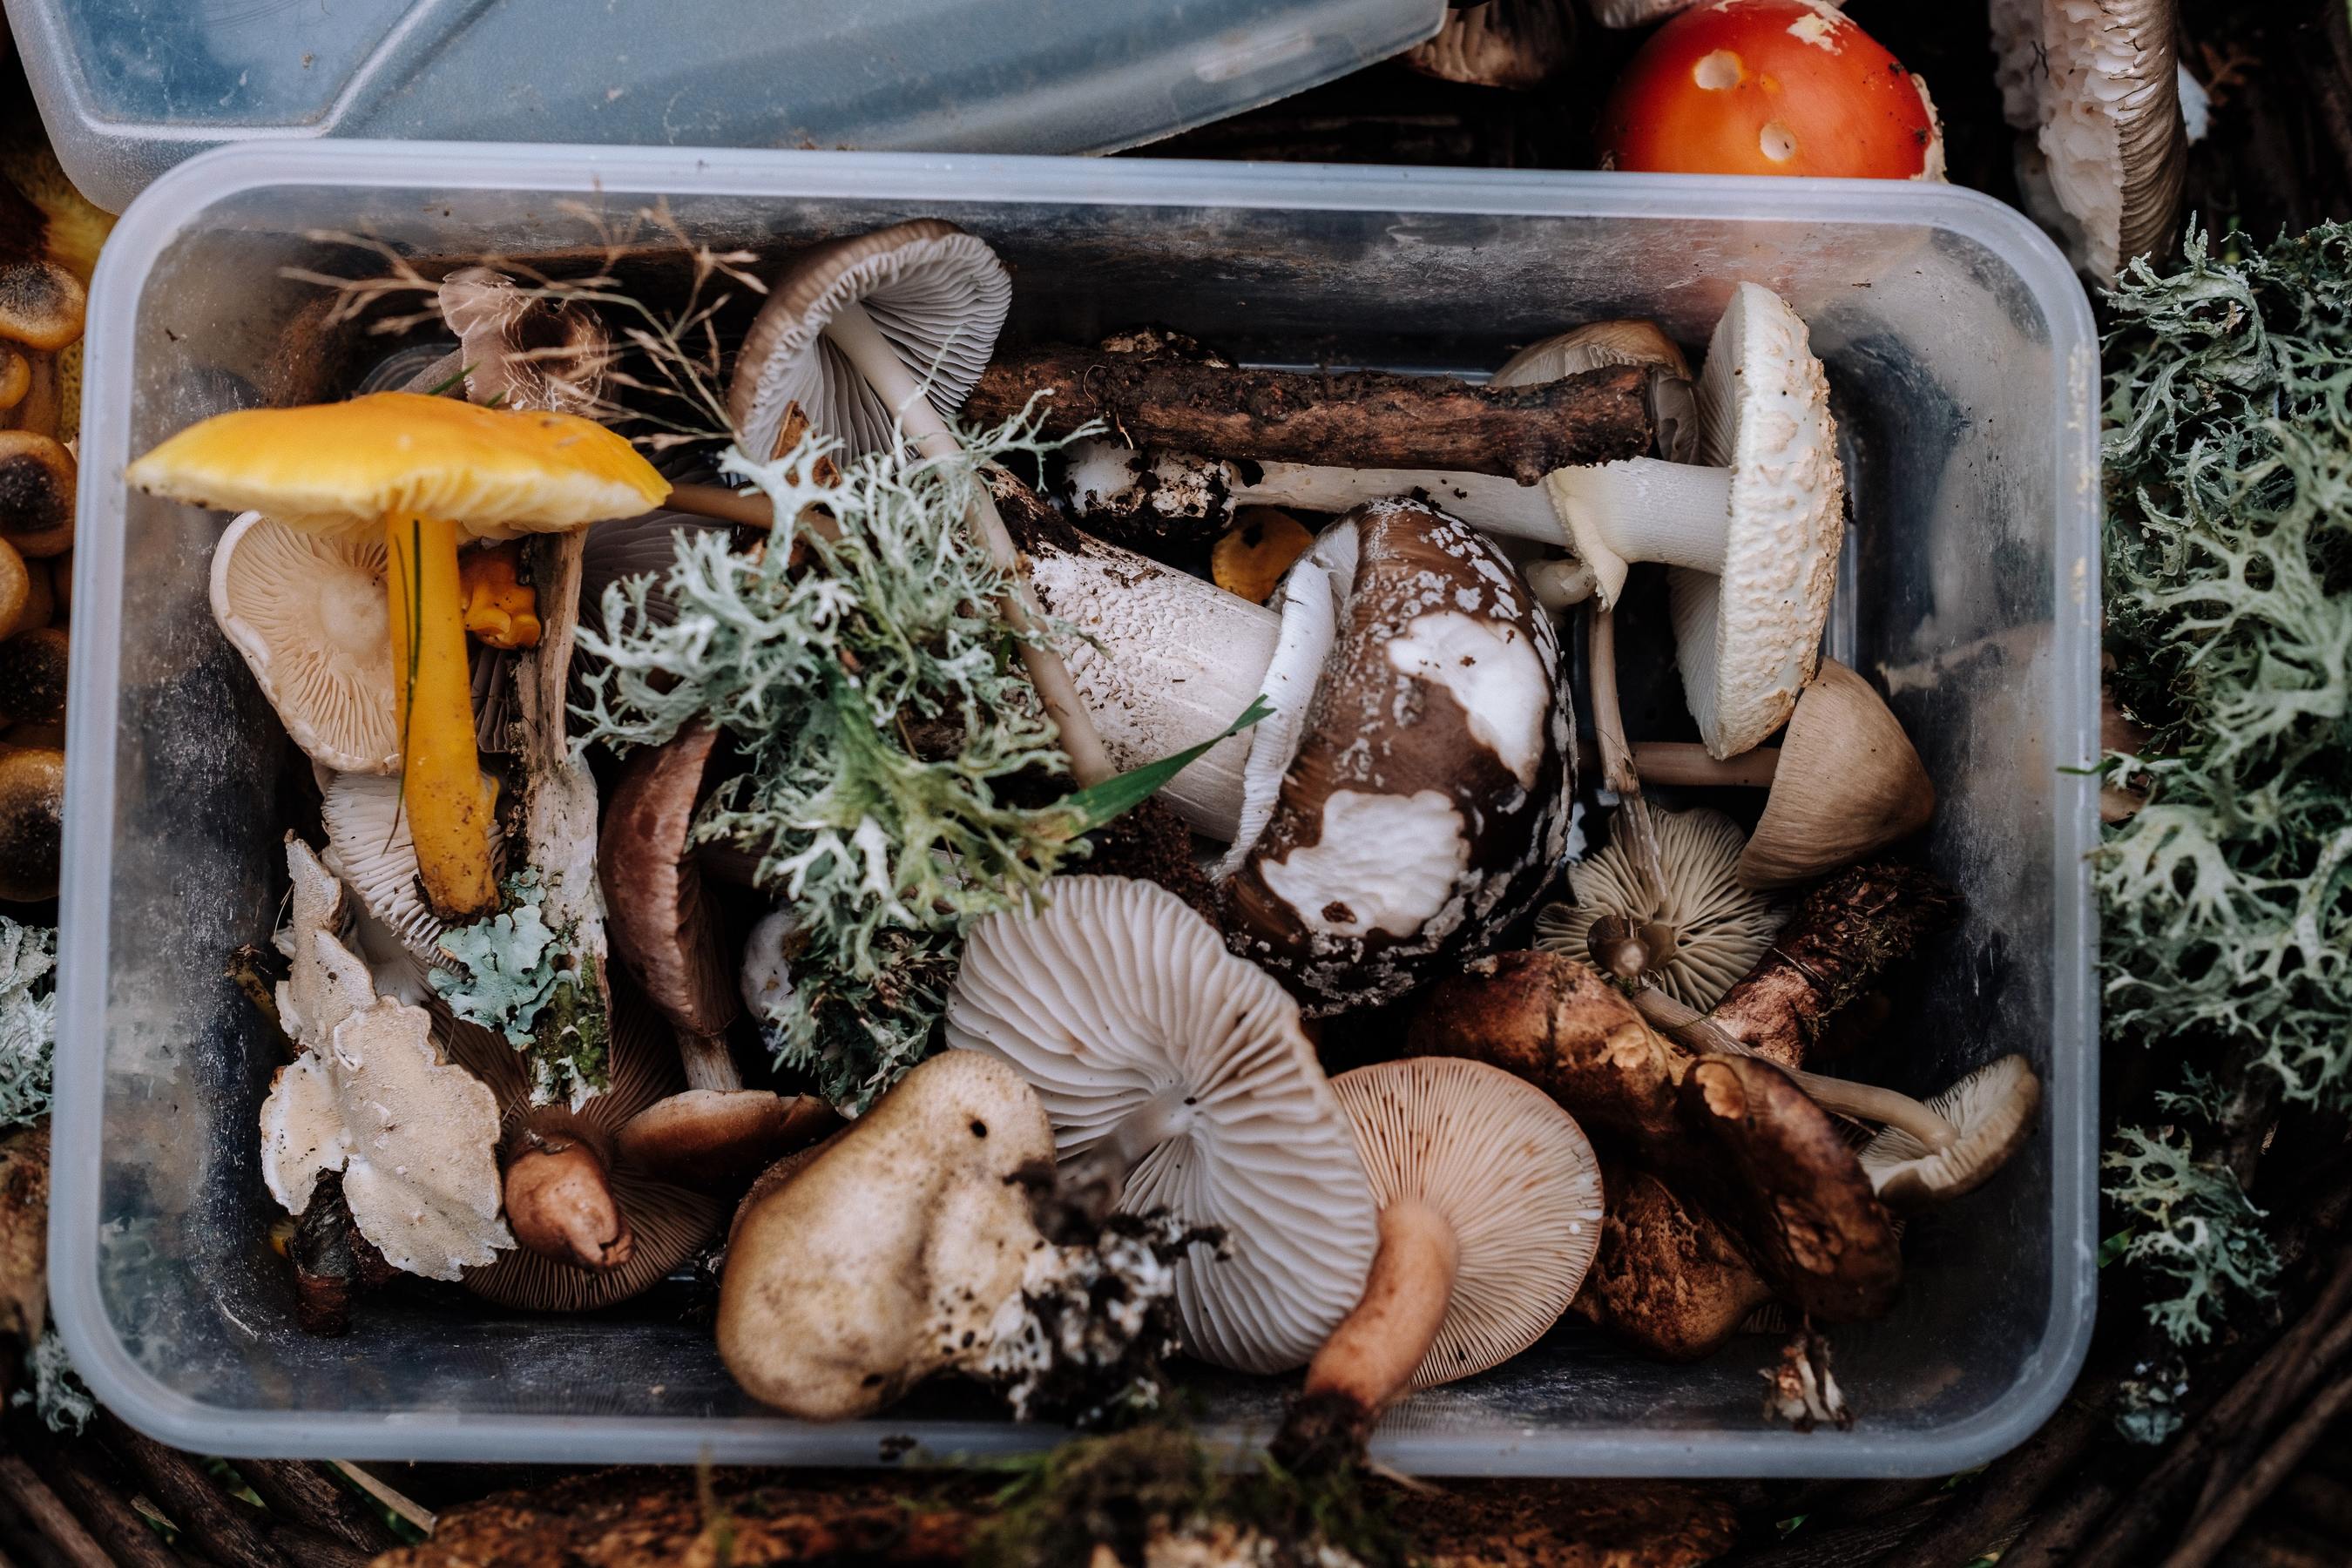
x: 1960, y: 348
x: 130, y: 88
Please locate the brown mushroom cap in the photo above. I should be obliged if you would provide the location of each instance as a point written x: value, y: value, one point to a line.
x: 657, y: 915
x: 1849, y: 783
x: 15, y: 590
x: 32, y: 821
x: 521, y: 349
x: 714, y: 1139
x: 1419, y: 799
x: 42, y: 305
x: 33, y: 677
x: 1499, y: 43
x: 36, y: 494
x: 1668, y: 1279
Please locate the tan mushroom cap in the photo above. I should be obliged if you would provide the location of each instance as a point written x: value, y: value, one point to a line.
x: 521, y: 349
x: 1718, y: 928
x: 15, y: 591
x: 1158, y: 1052
x: 1414, y: 803
x: 709, y: 1139
x: 33, y: 671
x: 886, y: 1254
x: 32, y: 821
x: 1848, y: 784
x: 1512, y: 43
x: 1992, y: 1109
x: 1511, y: 1173
x: 36, y: 494
x: 940, y: 297
x: 308, y: 612
x: 42, y: 305
x: 658, y: 916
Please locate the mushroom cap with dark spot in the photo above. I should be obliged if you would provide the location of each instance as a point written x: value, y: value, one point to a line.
x: 36, y: 494
x: 1424, y: 800
x: 32, y: 821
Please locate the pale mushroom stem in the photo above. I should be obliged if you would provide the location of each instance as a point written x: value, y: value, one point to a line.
x: 1617, y: 768
x: 442, y: 788
x: 1370, y: 1358
x: 1645, y: 509
x: 1688, y: 764
x: 1135, y: 1135
x: 1862, y: 1101
x: 854, y: 332
x: 708, y: 1062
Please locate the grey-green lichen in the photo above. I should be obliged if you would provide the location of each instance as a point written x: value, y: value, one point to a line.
x: 2228, y: 897
x: 29, y: 1020
x: 57, y: 1395
x: 518, y: 982
x: 821, y: 675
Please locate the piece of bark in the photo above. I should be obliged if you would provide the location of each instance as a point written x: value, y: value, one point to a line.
x: 1569, y: 1523
x: 299, y: 1490
x: 47, y: 1512
x: 1351, y: 419
x: 1842, y: 937
x: 2214, y: 1527
x: 24, y: 1231
x: 228, y: 1531
x: 71, y: 1468
x: 2001, y: 1499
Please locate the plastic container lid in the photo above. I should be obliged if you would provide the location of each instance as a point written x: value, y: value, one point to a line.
x: 130, y: 88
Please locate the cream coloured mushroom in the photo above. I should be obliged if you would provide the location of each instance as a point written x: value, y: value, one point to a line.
x: 1695, y: 935
x: 1990, y: 1111
x: 1490, y: 1213
x: 2093, y: 86
x: 1174, y: 1068
x: 307, y: 613
x: 370, y: 1096
x: 1753, y: 532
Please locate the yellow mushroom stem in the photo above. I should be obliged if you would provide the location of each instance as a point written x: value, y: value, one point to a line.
x: 1368, y: 1360
x: 443, y: 791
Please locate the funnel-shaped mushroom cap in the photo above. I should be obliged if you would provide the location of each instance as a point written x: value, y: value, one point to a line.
x: 936, y: 293
x: 1149, y: 1042
x: 42, y: 305
x: 520, y: 349
x: 1719, y: 928
x: 337, y: 466
x: 1991, y: 1108
x: 1849, y: 783
x: 32, y: 817
x: 1511, y: 1173
x: 1748, y: 641
x: 308, y: 612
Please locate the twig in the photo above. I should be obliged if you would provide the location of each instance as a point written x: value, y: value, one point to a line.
x: 2212, y: 1530
x: 213, y: 1522
x: 108, y: 1515
x: 297, y: 1489
x: 2274, y: 1392
x: 416, y: 1513
x: 313, y: 1550
x: 48, y: 1514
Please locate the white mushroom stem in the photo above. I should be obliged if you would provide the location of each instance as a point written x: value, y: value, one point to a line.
x: 1492, y: 502
x: 853, y: 332
x: 1686, y: 762
x: 1862, y: 1101
x: 708, y: 1062
x: 1371, y: 1357
x: 1617, y: 768
x: 1105, y: 1164
x: 1643, y: 508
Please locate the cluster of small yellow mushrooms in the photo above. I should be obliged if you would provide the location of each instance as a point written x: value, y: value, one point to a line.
x: 1624, y: 1116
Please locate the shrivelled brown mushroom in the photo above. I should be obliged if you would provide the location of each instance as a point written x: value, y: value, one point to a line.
x: 36, y: 494
x: 1409, y: 796
x: 1738, y: 1138
x: 520, y: 349
x: 666, y: 936
x: 1845, y: 781
x: 1669, y: 1278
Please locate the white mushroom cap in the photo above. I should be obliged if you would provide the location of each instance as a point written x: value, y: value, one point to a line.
x: 1991, y: 1108
x: 368, y: 834
x: 415, y: 1135
x: 318, y: 989
x: 308, y: 612
x: 938, y: 296
x: 1509, y: 1169
x: 2096, y: 82
x: 1749, y: 639
x: 1720, y: 929
x: 1154, y: 1049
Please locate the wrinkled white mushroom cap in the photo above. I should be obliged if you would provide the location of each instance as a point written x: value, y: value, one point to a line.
x: 1721, y: 928
x: 316, y: 994
x: 1750, y: 640
x: 1993, y: 1107
x: 368, y: 833
x: 309, y: 615
x: 1143, y: 1035
x: 936, y: 293
x: 1509, y: 1171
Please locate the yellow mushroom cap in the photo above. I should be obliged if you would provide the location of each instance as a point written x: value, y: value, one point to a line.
x: 335, y: 466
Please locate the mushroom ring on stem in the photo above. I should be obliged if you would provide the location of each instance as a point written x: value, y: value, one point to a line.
x: 426, y: 472
x: 1730, y: 1133
x: 1178, y: 1072
x: 863, y: 334
x: 1490, y: 1211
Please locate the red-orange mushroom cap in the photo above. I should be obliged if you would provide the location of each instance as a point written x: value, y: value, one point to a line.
x: 1771, y: 86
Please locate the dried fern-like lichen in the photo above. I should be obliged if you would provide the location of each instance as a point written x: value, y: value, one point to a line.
x: 2228, y: 897
x: 817, y: 673
x: 29, y: 1020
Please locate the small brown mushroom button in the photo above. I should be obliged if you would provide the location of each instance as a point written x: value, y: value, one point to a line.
x: 1409, y: 796
x: 36, y: 494
x: 32, y: 820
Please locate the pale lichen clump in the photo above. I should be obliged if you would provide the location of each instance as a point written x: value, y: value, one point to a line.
x: 517, y: 980
x: 821, y: 674
x: 29, y: 1020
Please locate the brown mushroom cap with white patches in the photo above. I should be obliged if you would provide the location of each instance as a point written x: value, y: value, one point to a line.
x: 1513, y: 1176
x: 1416, y: 802
x: 887, y: 1253
x: 308, y: 614
x: 368, y: 833
x: 1161, y: 1056
x: 938, y: 296
x: 1718, y: 928
x: 1990, y: 1110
